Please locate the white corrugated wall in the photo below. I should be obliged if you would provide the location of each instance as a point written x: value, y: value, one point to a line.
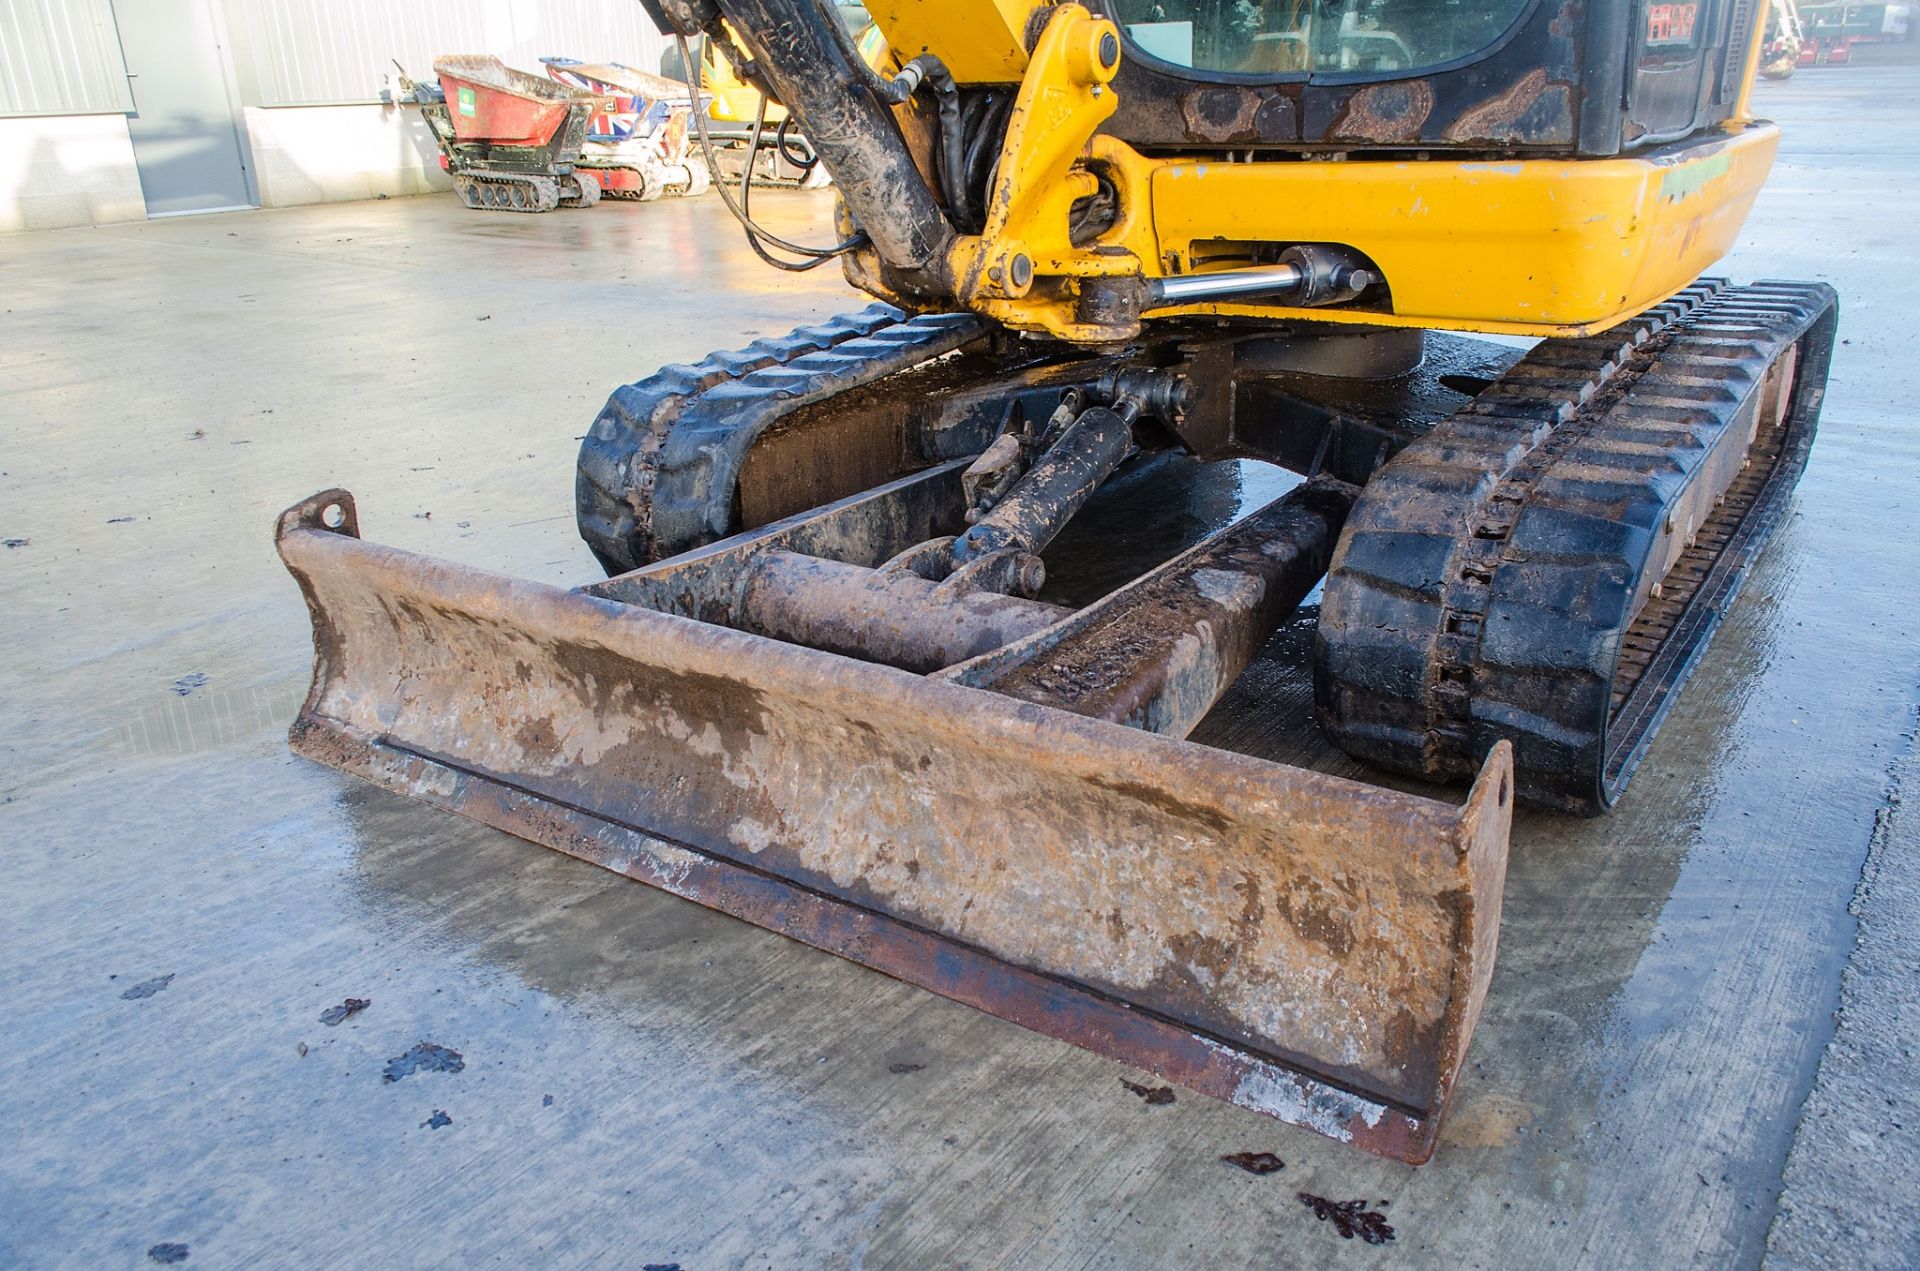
x: 316, y: 52
x: 61, y: 57
x: 308, y: 74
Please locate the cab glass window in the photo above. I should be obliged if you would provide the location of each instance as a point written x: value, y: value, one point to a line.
x: 1266, y: 37
x: 1673, y: 33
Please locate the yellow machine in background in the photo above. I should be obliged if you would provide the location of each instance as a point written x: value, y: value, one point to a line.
x: 833, y: 683
x: 783, y: 158
x: 1785, y: 37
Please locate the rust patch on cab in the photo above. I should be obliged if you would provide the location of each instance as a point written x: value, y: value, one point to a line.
x: 1393, y: 112
x: 1219, y: 114
x: 1533, y: 110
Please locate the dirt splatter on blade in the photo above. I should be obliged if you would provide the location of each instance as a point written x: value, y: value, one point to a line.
x: 1307, y: 946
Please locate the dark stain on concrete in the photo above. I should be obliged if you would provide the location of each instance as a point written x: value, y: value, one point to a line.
x: 1155, y: 1096
x: 147, y: 988
x: 1350, y: 1218
x: 1255, y: 1162
x: 352, y: 1006
x: 424, y: 1057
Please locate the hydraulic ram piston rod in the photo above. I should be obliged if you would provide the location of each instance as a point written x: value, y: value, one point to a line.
x: 1227, y: 283
x: 1306, y: 274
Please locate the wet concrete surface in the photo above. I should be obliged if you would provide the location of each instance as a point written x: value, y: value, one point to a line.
x: 1860, y: 1114
x: 641, y: 1081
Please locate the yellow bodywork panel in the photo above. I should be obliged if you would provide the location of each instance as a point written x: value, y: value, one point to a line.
x: 1025, y: 236
x: 1530, y: 247
x: 1523, y: 246
x: 980, y: 42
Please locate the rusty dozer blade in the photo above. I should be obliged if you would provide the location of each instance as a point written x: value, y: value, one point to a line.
x: 1307, y: 946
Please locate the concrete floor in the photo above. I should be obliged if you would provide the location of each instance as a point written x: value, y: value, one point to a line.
x: 647, y: 1082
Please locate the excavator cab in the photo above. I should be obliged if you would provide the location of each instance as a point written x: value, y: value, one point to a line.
x: 1584, y: 160
x: 1683, y: 64
x: 1588, y: 78
x: 827, y: 685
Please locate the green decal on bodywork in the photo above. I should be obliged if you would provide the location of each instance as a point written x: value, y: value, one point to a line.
x: 1685, y: 179
x: 465, y: 96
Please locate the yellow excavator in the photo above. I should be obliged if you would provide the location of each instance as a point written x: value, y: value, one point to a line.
x: 826, y: 686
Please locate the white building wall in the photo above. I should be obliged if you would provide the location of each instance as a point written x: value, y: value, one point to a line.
x: 324, y: 52
x: 60, y: 57
x: 308, y: 73
x: 65, y: 157
x: 311, y: 72
x: 332, y: 154
x: 61, y: 170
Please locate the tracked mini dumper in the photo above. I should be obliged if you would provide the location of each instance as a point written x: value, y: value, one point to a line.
x: 825, y: 687
x: 511, y: 141
x: 637, y: 137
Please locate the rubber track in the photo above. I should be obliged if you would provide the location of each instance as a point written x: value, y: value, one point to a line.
x: 658, y: 468
x: 544, y: 190
x: 1483, y: 586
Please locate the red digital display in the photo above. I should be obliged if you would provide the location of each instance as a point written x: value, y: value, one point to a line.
x: 1669, y: 24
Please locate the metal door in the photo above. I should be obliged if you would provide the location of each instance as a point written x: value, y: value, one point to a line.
x: 186, y: 139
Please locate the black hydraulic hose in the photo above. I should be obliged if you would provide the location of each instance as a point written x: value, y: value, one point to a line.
x: 805, y: 158
x: 879, y: 84
x: 934, y: 73
x: 953, y: 141
x: 983, y: 149
x: 819, y: 255
x: 974, y: 110
x: 757, y: 236
x: 802, y: 58
x: 895, y: 92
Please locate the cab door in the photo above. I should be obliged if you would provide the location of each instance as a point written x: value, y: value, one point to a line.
x: 1688, y: 59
